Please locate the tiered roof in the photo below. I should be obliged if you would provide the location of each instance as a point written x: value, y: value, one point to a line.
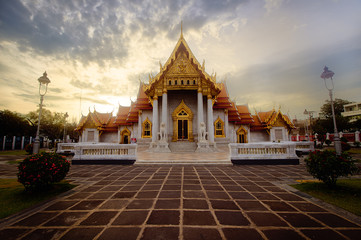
x: 273, y: 118
x: 101, y: 121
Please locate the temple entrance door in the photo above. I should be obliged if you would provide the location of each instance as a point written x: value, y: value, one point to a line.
x: 182, y: 129
x: 182, y: 123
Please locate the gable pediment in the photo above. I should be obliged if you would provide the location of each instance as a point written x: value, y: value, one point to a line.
x: 182, y: 66
x: 89, y: 123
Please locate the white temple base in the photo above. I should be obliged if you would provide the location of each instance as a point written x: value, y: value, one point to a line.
x: 205, y: 146
x: 159, y: 146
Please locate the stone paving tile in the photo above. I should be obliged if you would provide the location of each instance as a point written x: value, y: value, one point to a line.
x: 201, y: 234
x: 282, y: 234
x: 116, y: 233
x: 160, y: 233
x: 131, y: 218
x: 182, y: 202
x: 244, y: 233
x: 81, y: 233
x: 53, y: 233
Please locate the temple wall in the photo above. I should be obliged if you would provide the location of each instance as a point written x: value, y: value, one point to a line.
x: 109, y: 137
x: 260, y: 136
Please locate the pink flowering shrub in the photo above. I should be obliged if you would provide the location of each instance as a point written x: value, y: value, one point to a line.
x: 327, y: 166
x: 38, y: 171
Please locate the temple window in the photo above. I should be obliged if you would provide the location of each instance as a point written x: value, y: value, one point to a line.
x: 194, y: 82
x: 147, y: 129
x: 219, y: 128
x: 175, y: 82
x: 170, y: 82
x: 182, y: 82
x: 187, y: 82
x: 242, y: 135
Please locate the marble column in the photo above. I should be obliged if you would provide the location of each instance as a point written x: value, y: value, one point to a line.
x: 140, y: 123
x: 357, y: 136
x: 226, y: 122
x: 210, y: 129
x: 155, y: 123
x: 199, y: 109
x: 165, y: 110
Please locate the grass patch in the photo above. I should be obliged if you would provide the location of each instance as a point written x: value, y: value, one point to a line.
x: 354, y: 151
x: 14, y: 152
x: 346, y: 194
x: 14, y: 199
x: 14, y: 161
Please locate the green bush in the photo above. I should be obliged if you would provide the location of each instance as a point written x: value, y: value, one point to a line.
x: 343, y: 139
x: 39, y: 171
x: 328, y: 142
x: 327, y: 166
x: 345, y: 146
x: 29, y: 148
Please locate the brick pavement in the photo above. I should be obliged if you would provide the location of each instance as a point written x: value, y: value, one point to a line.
x: 181, y: 202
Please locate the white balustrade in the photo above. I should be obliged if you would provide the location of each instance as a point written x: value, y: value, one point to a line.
x: 264, y: 150
x: 105, y: 151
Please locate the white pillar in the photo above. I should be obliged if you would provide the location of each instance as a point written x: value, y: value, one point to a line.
x: 199, y: 110
x: 357, y: 136
x: 155, y: 119
x: 298, y: 137
x: 13, y: 143
x: 22, y: 142
x: 226, y: 122
x: 31, y: 140
x: 327, y: 136
x: 210, y: 119
x: 4, y: 142
x: 341, y: 134
x: 165, y: 111
x: 140, y: 123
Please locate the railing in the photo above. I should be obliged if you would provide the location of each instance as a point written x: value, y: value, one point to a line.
x: 107, y: 151
x: 264, y: 151
x: 66, y: 148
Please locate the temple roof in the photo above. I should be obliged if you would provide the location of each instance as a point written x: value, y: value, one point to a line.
x: 273, y: 118
x: 222, y: 99
x: 193, y: 67
x: 101, y: 121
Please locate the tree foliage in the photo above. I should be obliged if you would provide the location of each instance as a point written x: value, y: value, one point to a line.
x: 338, y: 106
x: 51, y: 124
x: 321, y: 126
x: 14, y: 124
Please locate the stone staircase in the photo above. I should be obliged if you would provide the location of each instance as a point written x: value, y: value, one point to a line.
x: 182, y: 146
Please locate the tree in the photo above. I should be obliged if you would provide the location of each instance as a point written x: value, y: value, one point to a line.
x: 51, y: 124
x: 327, y: 123
x: 14, y: 124
x: 338, y: 106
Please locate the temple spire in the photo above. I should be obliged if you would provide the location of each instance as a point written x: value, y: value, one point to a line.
x: 181, y: 29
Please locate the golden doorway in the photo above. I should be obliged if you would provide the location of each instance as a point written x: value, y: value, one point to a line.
x: 125, y: 136
x: 182, y: 123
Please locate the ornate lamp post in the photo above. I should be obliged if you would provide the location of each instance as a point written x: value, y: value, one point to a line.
x: 65, y: 116
x: 327, y: 74
x: 43, y: 88
x: 310, y: 114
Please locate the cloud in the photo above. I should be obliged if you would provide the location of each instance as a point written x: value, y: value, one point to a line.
x: 272, y: 5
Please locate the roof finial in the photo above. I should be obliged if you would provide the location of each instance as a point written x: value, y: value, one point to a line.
x: 181, y: 29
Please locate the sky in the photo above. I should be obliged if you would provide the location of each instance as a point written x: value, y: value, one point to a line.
x: 270, y: 53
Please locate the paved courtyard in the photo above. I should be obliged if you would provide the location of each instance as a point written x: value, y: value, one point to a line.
x: 181, y: 202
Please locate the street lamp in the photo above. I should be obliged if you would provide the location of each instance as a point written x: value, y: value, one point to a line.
x: 43, y: 88
x: 65, y: 116
x: 327, y: 74
x: 310, y: 114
